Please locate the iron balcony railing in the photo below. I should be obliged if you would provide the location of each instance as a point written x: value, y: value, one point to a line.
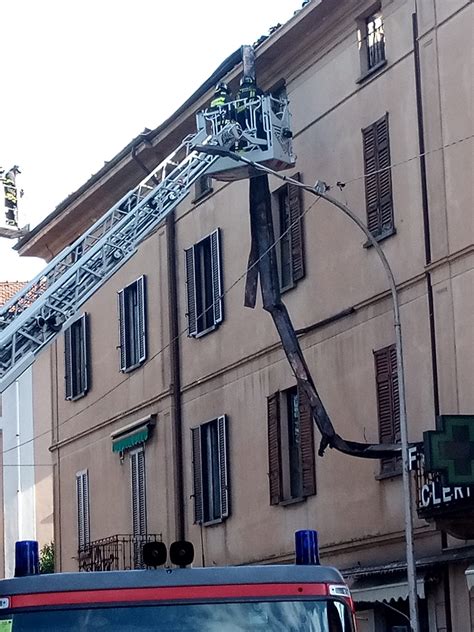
x: 375, y: 42
x: 119, y: 552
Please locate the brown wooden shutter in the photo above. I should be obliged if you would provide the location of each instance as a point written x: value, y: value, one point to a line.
x: 371, y: 181
x: 197, y: 476
x: 191, y: 292
x: 68, y: 365
x: 223, y: 466
x: 307, y: 445
x: 274, y: 448
x: 295, y: 203
x: 122, y: 331
x: 216, y: 273
x: 378, y: 179
x: 385, y: 176
x: 388, y: 403
x: 141, y: 324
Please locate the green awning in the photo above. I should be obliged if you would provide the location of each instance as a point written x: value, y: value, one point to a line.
x: 131, y: 439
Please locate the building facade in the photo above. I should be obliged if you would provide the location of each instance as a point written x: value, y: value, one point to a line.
x: 174, y: 411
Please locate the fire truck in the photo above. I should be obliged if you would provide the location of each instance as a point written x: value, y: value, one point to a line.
x: 303, y: 597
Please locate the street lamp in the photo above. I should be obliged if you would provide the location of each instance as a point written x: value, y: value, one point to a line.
x: 320, y: 190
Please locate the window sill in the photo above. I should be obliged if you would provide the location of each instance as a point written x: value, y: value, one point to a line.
x: 292, y: 501
x: 212, y: 523
x: 382, y: 476
x: 202, y: 195
x: 202, y: 333
x: 371, y: 71
x: 76, y: 397
x: 381, y: 237
x: 129, y: 369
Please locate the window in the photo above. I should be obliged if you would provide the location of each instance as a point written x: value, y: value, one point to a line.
x: 83, y: 514
x: 378, y: 178
x: 388, y: 404
x: 204, y: 285
x: 202, y: 187
x: 132, y: 324
x: 76, y: 358
x: 291, y: 459
x: 210, y: 471
x: 288, y: 225
x: 371, y: 42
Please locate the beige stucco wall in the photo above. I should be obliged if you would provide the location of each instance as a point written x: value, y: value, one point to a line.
x: 232, y: 370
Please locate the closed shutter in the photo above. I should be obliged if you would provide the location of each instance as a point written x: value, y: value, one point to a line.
x: 223, y: 466
x: 371, y: 181
x: 85, y: 369
x: 384, y: 175
x: 216, y: 273
x: 296, y: 230
x: 141, y: 319
x: 191, y: 292
x: 378, y: 179
x: 197, y: 476
x: 82, y: 503
x: 388, y: 403
x: 274, y: 448
x: 307, y: 445
x: 138, y: 490
x: 68, y: 365
x: 122, y: 331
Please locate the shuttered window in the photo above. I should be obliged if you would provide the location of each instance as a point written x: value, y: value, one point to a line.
x: 83, y: 514
x: 202, y: 187
x: 138, y: 492
x: 210, y: 471
x: 76, y: 360
x: 132, y: 325
x: 288, y: 223
x: 204, y: 285
x: 388, y: 404
x: 291, y: 458
x: 378, y: 178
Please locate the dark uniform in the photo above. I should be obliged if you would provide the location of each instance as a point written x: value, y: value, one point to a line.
x: 11, y: 197
x: 221, y: 97
x: 247, y: 92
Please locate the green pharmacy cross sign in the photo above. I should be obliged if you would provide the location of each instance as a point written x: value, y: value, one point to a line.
x: 450, y: 449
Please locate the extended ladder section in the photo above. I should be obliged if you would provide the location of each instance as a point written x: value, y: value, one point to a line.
x: 34, y: 316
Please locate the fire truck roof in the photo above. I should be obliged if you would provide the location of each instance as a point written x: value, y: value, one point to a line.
x: 168, y: 577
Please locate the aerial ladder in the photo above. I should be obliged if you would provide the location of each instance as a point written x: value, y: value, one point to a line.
x: 34, y: 317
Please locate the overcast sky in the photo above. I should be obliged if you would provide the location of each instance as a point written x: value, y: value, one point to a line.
x: 81, y: 79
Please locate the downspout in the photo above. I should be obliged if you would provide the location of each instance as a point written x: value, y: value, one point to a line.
x: 175, y: 367
x: 429, y: 287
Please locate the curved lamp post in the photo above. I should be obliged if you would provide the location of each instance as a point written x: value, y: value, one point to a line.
x: 320, y: 190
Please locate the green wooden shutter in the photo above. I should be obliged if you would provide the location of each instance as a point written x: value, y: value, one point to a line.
x: 191, y: 292
x: 82, y: 504
x: 197, y: 476
x: 223, y: 465
x: 138, y: 492
x: 308, y: 465
x: 274, y: 448
x: 85, y: 367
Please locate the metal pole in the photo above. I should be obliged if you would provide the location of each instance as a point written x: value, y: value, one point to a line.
x: 321, y: 191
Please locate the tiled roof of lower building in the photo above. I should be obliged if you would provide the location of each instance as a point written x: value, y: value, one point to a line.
x: 8, y: 289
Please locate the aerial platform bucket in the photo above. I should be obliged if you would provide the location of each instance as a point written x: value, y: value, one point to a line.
x: 265, y: 135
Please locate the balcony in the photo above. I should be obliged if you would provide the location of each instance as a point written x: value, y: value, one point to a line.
x: 122, y: 552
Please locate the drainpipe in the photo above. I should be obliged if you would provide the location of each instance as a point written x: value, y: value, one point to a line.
x: 176, y: 412
x: 429, y: 287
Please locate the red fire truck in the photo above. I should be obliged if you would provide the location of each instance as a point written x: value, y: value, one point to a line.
x: 290, y: 598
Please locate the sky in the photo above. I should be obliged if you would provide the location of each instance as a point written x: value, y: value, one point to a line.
x: 82, y: 78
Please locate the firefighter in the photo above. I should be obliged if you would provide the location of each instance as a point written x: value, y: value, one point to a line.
x: 11, y: 198
x: 249, y: 91
x: 221, y: 95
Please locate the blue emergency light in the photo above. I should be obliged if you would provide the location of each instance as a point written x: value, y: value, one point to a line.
x: 306, y: 547
x: 26, y: 558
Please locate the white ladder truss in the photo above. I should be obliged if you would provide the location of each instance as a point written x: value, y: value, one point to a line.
x: 34, y: 316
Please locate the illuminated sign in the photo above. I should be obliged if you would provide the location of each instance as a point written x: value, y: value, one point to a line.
x: 450, y: 449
